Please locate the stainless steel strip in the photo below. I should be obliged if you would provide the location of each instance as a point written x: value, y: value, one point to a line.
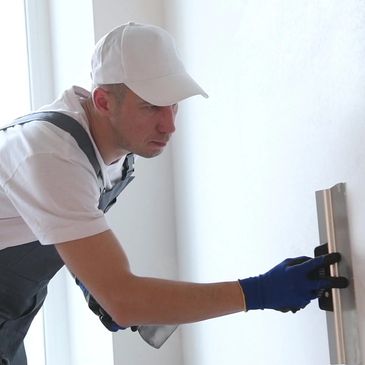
x: 342, y: 328
x: 337, y: 310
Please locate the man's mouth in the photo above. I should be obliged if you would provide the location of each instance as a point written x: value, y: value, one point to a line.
x: 159, y: 144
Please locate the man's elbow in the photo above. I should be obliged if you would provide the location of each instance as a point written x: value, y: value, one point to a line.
x: 126, y: 307
x: 125, y: 315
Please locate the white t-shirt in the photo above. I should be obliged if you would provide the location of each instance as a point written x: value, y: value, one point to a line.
x: 48, y: 188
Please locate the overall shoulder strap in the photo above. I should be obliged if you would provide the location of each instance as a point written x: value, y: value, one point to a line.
x: 72, y: 126
x: 69, y: 125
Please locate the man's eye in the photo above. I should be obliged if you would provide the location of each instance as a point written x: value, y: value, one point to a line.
x: 151, y: 107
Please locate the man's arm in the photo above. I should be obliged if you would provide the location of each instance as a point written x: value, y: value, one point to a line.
x: 101, y: 264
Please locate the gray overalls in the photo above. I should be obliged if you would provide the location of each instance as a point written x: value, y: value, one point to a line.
x: 25, y: 270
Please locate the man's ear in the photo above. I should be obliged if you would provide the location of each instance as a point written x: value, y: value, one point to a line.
x: 101, y: 100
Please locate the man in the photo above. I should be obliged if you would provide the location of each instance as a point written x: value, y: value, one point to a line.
x: 61, y: 171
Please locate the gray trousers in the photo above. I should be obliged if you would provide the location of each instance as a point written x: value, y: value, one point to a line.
x: 24, y: 274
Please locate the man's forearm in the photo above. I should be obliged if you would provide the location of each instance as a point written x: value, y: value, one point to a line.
x: 155, y: 301
x: 100, y: 263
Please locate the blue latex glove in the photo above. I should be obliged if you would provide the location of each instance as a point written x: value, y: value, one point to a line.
x: 292, y: 284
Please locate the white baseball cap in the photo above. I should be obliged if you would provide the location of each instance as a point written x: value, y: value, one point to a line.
x: 145, y: 59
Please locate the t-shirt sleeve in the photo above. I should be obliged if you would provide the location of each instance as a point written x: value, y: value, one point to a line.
x: 57, y: 198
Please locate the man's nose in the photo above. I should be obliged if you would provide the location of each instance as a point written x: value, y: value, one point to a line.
x: 167, y: 120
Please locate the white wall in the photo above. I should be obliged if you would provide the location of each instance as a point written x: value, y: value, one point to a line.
x: 12, y: 17
x: 284, y: 119
x: 144, y: 219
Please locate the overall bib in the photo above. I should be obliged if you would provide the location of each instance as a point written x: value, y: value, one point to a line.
x: 25, y: 270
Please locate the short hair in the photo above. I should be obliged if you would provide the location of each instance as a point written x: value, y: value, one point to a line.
x: 118, y: 90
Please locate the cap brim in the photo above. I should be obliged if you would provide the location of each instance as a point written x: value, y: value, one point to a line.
x: 167, y: 90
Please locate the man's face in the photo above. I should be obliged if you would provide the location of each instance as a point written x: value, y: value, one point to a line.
x: 140, y: 127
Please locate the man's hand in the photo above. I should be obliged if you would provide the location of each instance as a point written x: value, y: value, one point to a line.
x: 292, y: 284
